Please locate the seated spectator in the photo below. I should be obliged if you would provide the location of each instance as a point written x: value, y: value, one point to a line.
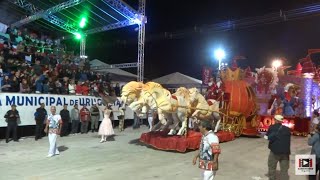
x: 79, y: 88
x: 1, y: 71
x: 14, y: 85
x: 5, y: 85
x: 24, y: 86
x: 85, y: 88
x: 58, y: 87
x: 72, y: 87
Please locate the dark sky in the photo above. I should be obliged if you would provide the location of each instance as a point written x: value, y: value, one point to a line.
x: 188, y: 52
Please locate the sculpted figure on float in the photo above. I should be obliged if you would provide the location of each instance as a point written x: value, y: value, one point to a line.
x: 204, y: 109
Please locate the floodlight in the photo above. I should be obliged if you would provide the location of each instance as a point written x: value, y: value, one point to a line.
x: 276, y: 63
x: 219, y: 54
x: 82, y: 22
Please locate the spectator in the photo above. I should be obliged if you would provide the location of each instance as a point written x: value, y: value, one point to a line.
x: 314, y: 122
x: 314, y: 141
x: 40, y: 116
x: 14, y: 85
x: 279, y: 144
x: 37, y: 68
x: 72, y: 87
x: 95, y: 117
x: 53, y: 127
x: 45, y: 87
x: 75, y: 118
x: 65, y: 116
x: 117, y: 90
x: 5, y: 86
x: 24, y: 86
x: 79, y: 88
x: 1, y: 70
x: 84, y: 118
x: 12, y: 117
x: 85, y: 88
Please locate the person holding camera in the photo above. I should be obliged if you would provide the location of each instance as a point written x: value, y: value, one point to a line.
x: 314, y: 141
x: 279, y: 137
x: 12, y: 117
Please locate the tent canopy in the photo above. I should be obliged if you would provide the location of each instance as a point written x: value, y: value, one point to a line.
x: 177, y: 79
x: 115, y: 73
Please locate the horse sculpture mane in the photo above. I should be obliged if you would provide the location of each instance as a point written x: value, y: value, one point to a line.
x: 182, y: 91
x: 131, y: 87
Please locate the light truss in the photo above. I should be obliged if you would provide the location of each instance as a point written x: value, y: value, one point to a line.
x: 24, y: 4
x: 44, y: 13
x: 122, y: 8
x: 113, y: 66
x: 141, y: 40
x: 108, y: 27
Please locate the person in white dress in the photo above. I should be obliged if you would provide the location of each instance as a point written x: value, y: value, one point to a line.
x: 53, y: 127
x: 105, y: 128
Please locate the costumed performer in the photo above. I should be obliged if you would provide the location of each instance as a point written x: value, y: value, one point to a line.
x: 105, y: 128
x: 53, y: 127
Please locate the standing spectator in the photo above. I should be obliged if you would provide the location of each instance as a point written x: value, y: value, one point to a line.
x: 117, y: 90
x: 314, y: 141
x: 37, y: 68
x: 53, y: 127
x: 208, y: 152
x: 84, y: 118
x: 12, y: 117
x: 95, y: 117
x: 150, y: 118
x: 75, y: 118
x: 40, y: 116
x: 65, y: 116
x: 279, y: 137
x: 314, y: 122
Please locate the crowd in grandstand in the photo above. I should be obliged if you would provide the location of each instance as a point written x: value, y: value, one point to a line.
x: 29, y: 64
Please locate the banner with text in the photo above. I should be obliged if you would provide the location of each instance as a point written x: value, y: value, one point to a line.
x: 28, y: 103
x: 206, y: 74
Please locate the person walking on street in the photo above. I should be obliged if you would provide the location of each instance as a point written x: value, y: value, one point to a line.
x: 40, y: 116
x: 314, y: 141
x: 209, y: 151
x: 279, y: 137
x: 65, y: 116
x: 95, y: 117
x: 84, y: 118
x: 75, y: 118
x: 53, y: 128
x: 12, y: 117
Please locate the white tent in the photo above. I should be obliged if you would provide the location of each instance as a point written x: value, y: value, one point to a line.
x: 115, y: 74
x: 177, y: 79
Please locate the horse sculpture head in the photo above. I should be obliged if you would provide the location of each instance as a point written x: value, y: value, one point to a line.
x: 131, y: 91
x: 193, y: 92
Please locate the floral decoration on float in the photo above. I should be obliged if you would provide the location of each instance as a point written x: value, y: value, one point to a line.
x: 266, y: 79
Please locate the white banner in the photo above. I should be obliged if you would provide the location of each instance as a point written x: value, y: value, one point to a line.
x: 28, y: 103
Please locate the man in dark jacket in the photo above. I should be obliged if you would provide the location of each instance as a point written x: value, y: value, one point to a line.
x: 65, y: 116
x: 40, y: 116
x: 279, y: 137
x: 12, y: 117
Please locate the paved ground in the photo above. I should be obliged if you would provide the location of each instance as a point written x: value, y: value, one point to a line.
x: 124, y: 158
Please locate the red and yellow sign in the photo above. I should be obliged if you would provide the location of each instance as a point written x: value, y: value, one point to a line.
x: 299, y: 126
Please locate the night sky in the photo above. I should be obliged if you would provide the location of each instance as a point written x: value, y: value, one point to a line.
x: 187, y: 51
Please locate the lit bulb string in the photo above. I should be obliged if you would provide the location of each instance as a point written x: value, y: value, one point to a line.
x: 260, y: 20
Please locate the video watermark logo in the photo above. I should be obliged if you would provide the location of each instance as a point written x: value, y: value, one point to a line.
x: 305, y: 165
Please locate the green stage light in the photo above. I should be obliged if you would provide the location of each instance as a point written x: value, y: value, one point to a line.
x: 82, y: 22
x: 78, y: 35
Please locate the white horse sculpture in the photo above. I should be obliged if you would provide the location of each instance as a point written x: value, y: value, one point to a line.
x: 204, y: 109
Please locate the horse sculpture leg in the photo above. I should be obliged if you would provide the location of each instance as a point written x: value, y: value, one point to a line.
x: 217, y: 118
x: 176, y: 122
x: 183, y: 128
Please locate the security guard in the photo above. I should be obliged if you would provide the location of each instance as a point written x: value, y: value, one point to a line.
x: 12, y: 117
